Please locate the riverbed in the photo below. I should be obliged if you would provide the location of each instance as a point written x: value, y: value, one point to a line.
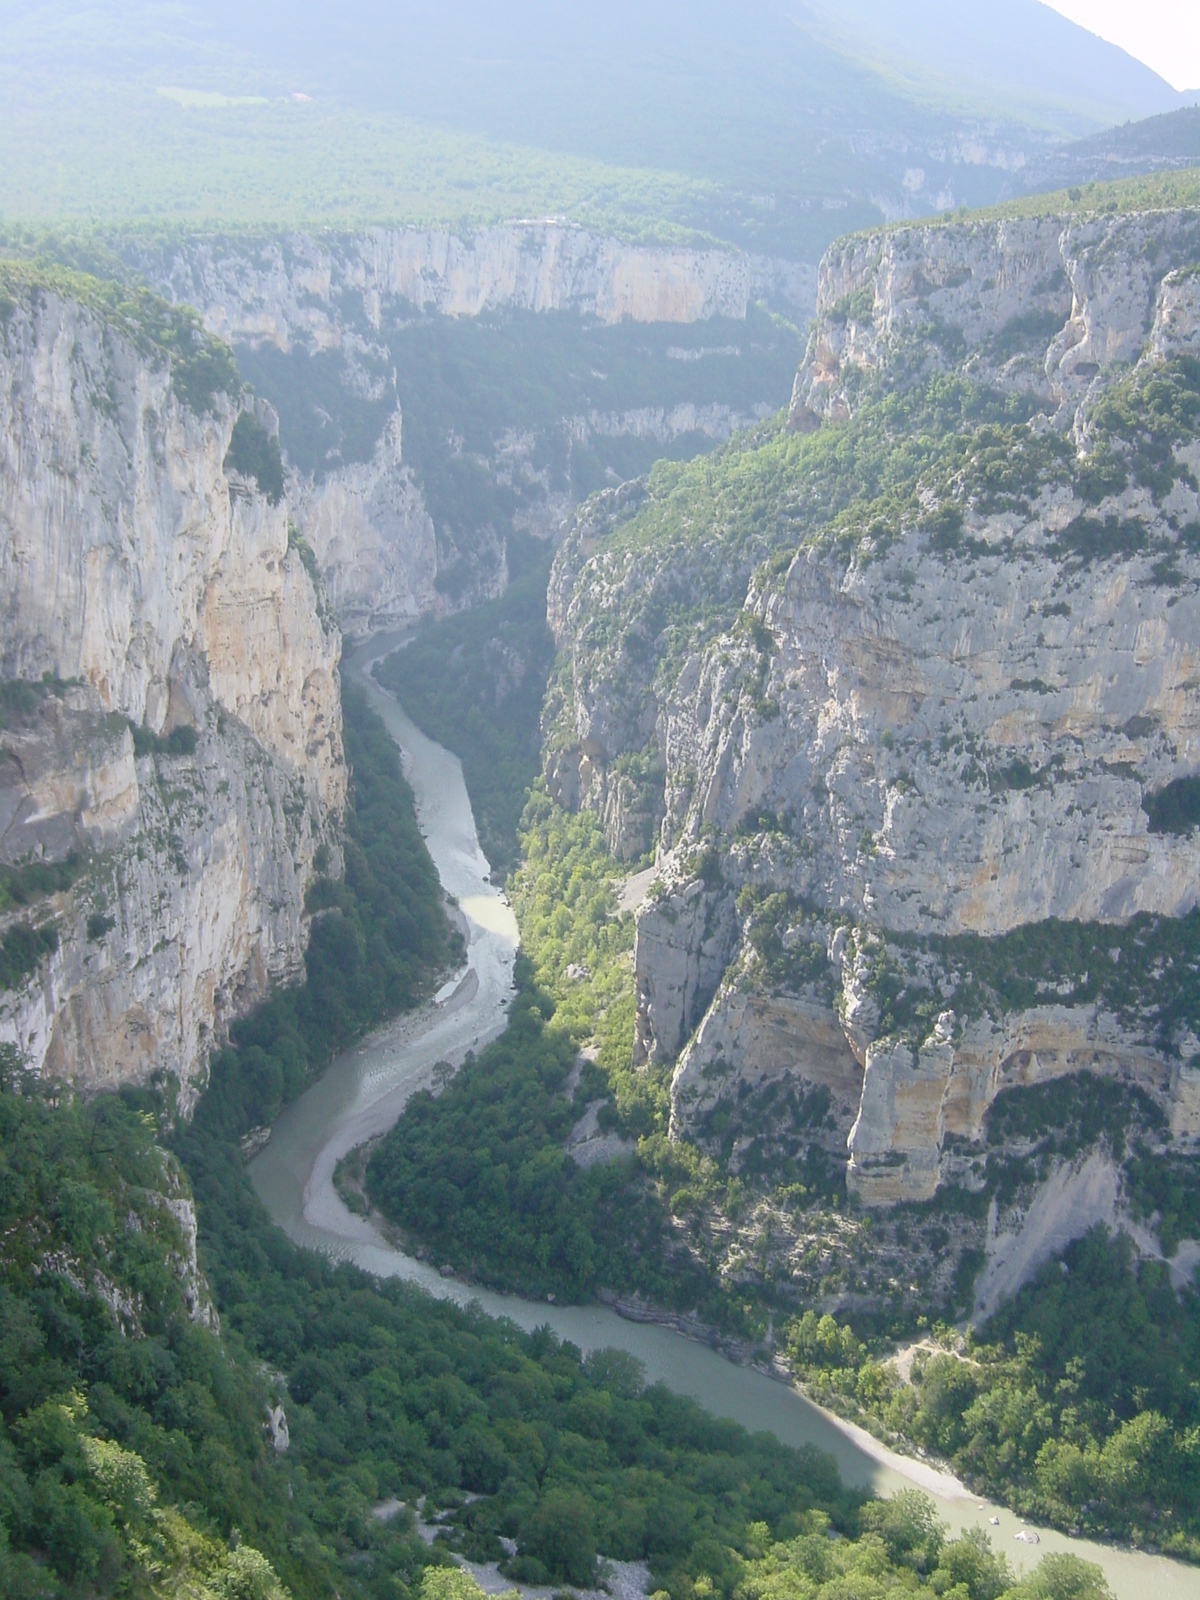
x: 364, y: 1091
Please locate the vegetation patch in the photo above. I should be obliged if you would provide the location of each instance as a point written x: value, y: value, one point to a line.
x: 201, y: 367
x: 181, y: 741
x: 1028, y: 334
x: 34, y: 880
x: 1089, y: 539
x: 1146, y: 972
x: 21, y: 697
x: 1175, y: 808
x: 22, y: 950
x: 255, y: 453
x: 1074, y: 1405
x: 1138, y: 423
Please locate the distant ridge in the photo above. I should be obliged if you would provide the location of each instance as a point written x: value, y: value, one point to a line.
x: 772, y: 125
x: 1166, y: 143
x: 1020, y: 50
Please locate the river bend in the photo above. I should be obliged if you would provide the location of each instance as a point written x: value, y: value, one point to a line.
x: 364, y: 1091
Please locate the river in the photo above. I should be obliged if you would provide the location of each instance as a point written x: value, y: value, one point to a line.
x: 364, y: 1091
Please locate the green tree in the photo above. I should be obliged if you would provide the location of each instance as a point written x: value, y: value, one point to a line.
x: 560, y: 1534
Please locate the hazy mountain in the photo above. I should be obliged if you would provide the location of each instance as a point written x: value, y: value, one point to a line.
x: 1156, y: 144
x: 1018, y: 53
x: 865, y: 109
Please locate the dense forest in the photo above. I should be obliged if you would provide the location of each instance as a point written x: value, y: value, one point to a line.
x: 135, y: 1456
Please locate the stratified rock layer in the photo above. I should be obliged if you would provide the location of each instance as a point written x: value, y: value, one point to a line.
x: 288, y: 289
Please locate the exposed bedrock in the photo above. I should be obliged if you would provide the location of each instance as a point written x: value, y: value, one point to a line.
x: 149, y: 589
x: 1046, y: 303
x: 934, y: 748
x: 287, y: 289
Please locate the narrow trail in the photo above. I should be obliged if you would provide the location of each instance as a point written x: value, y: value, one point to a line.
x: 364, y: 1091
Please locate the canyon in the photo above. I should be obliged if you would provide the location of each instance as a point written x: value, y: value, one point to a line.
x: 324, y: 324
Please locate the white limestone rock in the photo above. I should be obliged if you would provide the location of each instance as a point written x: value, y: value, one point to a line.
x: 287, y: 290
x: 167, y: 595
x: 683, y: 944
x: 373, y: 537
x: 1047, y: 302
x: 961, y: 741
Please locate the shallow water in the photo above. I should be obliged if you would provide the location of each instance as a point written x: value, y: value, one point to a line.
x: 364, y: 1091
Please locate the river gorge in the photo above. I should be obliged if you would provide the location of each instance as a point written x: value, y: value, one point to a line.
x: 365, y: 1090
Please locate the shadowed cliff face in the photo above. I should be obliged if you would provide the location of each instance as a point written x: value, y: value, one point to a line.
x: 964, y: 714
x: 532, y: 361
x: 181, y: 739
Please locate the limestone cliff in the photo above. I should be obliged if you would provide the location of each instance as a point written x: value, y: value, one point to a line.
x: 329, y: 321
x: 372, y: 536
x: 172, y: 726
x: 1043, y: 305
x: 290, y: 289
x: 927, y: 781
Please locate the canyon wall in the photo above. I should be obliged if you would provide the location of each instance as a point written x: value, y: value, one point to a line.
x: 933, y: 736
x: 172, y: 721
x: 336, y: 306
x: 297, y: 288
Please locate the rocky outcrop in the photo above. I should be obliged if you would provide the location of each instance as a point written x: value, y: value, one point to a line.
x: 747, y: 1039
x: 714, y: 421
x: 1003, y: 716
x: 176, y: 727
x: 915, y: 1095
x: 380, y: 560
x: 937, y: 729
x: 1176, y: 327
x: 978, y: 754
x: 684, y: 945
x: 1044, y: 303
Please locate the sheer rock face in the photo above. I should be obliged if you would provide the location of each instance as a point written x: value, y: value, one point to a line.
x: 381, y: 561
x: 287, y: 290
x: 748, y: 1038
x: 960, y: 742
x: 684, y: 945
x: 1030, y: 704
x: 373, y: 538
x: 156, y: 591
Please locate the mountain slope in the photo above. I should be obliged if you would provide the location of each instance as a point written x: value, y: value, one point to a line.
x: 1022, y: 54
x: 773, y: 125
